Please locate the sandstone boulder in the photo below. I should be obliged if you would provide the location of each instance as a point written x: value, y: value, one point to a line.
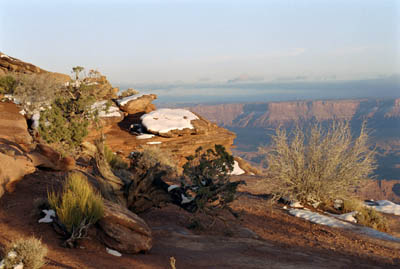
x: 14, y: 165
x: 13, y: 126
x: 137, y: 104
x: 45, y: 156
x: 175, y: 122
x: 124, y: 231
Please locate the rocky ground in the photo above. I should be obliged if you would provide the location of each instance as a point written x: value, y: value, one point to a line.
x: 264, y: 236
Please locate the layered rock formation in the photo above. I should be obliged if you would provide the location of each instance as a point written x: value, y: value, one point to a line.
x: 13, y: 126
x: 14, y: 165
x: 10, y: 64
x: 265, y: 115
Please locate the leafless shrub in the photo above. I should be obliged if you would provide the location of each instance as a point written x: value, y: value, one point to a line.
x: 320, y: 164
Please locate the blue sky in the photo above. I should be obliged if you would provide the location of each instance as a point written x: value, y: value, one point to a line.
x: 145, y: 42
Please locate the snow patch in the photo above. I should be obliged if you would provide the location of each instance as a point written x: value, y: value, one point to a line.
x: 113, y: 252
x: 296, y: 204
x: 385, y: 206
x: 237, y: 170
x: 170, y: 188
x: 127, y: 99
x: 49, y: 215
x: 101, y: 106
x: 35, y: 119
x: 154, y: 143
x: 318, y: 218
x: 144, y: 136
x: 186, y: 200
x: 19, y: 266
x: 166, y: 119
x: 350, y: 217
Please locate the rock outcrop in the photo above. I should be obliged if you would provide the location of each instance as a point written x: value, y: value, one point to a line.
x: 45, y: 156
x: 137, y: 104
x: 124, y: 231
x: 13, y: 126
x: 10, y: 64
x: 14, y: 165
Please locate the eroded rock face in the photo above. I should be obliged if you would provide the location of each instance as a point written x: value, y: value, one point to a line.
x: 13, y: 126
x: 124, y: 231
x: 45, y: 156
x: 142, y: 104
x: 14, y: 165
x: 10, y: 64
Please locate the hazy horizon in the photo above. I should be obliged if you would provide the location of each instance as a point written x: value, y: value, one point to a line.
x: 199, y: 50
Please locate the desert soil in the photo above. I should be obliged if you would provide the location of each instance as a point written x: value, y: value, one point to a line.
x: 264, y: 236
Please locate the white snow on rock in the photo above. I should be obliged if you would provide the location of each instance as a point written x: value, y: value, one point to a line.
x: 170, y: 188
x: 350, y: 217
x: 144, y: 136
x: 125, y: 100
x: 12, y: 98
x: 237, y: 170
x: 19, y: 266
x: 35, y: 119
x: 154, y: 143
x: 12, y: 254
x: 296, y: 204
x: 186, y: 200
x: 101, y: 106
x: 385, y: 206
x: 166, y: 119
x: 49, y: 215
x: 318, y: 218
x: 113, y: 252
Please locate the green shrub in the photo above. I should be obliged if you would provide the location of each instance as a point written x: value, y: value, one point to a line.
x: 207, y: 182
x: 115, y: 161
x: 77, y: 207
x: 366, y: 216
x: 318, y: 165
x: 7, y: 84
x: 67, y: 120
x: 29, y: 251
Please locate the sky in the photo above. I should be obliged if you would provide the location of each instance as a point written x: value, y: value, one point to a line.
x: 188, y: 43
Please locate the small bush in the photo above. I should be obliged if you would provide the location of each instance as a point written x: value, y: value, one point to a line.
x: 7, y: 84
x: 153, y: 156
x: 77, y: 207
x: 207, y: 182
x: 366, y: 216
x: 115, y: 161
x: 29, y: 251
x: 67, y: 120
x: 318, y: 165
x: 128, y: 92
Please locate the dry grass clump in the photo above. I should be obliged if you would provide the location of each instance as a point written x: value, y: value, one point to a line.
x: 366, y: 216
x: 128, y: 92
x: 321, y: 164
x: 77, y: 207
x: 28, y: 251
x: 115, y: 161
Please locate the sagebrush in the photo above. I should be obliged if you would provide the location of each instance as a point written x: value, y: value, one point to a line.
x: 77, y: 207
x: 28, y: 251
x: 319, y: 164
x: 366, y: 216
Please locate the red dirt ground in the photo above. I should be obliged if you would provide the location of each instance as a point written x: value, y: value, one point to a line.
x: 263, y: 237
